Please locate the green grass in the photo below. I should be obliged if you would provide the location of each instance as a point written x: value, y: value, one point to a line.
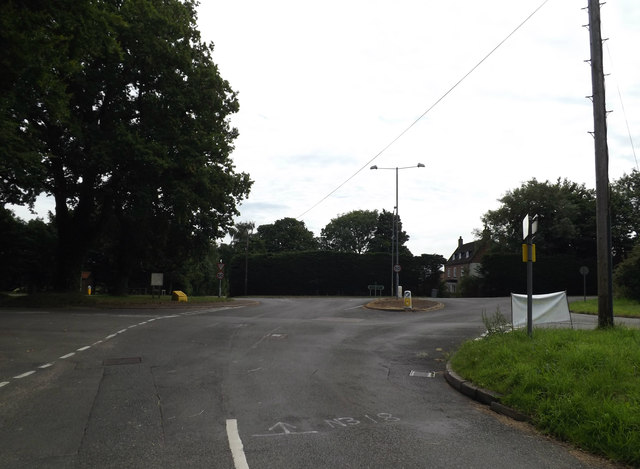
x: 621, y: 307
x: 581, y: 386
x: 62, y: 300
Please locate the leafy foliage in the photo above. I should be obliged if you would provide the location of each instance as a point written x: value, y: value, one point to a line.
x: 285, y: 235
x: 350, y: 232
x: 496, y: 323
x: 627, y: 275
x: 119, y: 112
x: 566, y: 217
x: 625, y: 212
x: 329, y: 273
x: 384, y: 234
x: 26, y: 248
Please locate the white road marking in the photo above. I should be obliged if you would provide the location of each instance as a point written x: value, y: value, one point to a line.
x: 264, y: 337
x: 235, y: 444
x: 111, y: 336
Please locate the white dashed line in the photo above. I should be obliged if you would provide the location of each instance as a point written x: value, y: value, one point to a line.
x: 235, y: 444
x: 230, y: 426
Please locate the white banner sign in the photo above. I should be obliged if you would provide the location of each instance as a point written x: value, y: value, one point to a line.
x: 547, y: 308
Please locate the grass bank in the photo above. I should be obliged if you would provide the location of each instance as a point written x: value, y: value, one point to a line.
x: 62, y: 300
x: 581, y: 386
x: 621, y: 307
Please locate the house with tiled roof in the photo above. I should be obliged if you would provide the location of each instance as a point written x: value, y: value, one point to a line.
x: 465, y: 260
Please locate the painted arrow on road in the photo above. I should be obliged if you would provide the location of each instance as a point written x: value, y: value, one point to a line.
x: 283, y: 428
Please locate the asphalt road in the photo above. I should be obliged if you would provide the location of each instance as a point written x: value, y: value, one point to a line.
x: 301, y: 383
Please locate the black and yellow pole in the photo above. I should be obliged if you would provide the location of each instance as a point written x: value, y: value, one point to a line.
x: 530, y: 226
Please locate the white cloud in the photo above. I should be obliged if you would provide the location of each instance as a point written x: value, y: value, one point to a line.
x: 340, y: 80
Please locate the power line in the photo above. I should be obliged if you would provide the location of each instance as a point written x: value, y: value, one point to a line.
x: 429, y: 109
x: 624, y: 112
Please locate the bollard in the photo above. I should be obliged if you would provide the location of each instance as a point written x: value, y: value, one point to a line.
x: 408, y: 304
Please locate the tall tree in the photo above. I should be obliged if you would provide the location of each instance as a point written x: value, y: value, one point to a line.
x: 625, y: 213
x: 137, y: 136
x: 566, y: 223
x: 287, y: 234
x: 350, y: 232
x: 384, y: 234
x: 241, y: 235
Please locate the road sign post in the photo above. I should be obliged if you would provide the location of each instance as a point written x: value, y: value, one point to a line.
x: 529, y: 229
x: 584, y: 271
x: 220, y: 276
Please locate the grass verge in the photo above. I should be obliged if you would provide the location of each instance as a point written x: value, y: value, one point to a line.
x: 62, y: 300
x: 581, y: 386
x: 621, y: 307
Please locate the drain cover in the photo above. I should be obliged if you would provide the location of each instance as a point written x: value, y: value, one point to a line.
x: 422, y: 374
x: 122, y: 361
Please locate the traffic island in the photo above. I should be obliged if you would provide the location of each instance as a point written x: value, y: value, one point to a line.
x: 397, y: 304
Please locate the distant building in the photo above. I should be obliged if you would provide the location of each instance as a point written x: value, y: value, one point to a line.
x: 465, y: 260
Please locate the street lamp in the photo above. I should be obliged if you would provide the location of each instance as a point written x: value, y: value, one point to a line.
x: 395, y: 262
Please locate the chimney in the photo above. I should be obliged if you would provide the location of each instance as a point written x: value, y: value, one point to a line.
x: 460, y: 242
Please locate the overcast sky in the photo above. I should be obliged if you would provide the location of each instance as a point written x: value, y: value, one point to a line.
x: 325, y: 88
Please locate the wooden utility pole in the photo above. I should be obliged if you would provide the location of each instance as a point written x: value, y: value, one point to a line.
x: 603, y: 222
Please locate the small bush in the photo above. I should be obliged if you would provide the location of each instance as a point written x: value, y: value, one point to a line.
x: 496, y: 323
x: 627, y: 275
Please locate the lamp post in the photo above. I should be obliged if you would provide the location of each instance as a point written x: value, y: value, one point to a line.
x: 395, y: 262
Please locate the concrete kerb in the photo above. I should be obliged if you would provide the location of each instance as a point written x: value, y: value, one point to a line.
x: 481, y: 395
x: 380, y: 306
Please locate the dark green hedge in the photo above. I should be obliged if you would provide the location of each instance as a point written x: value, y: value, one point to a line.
x: 324, y: 273
x: 506, y: 273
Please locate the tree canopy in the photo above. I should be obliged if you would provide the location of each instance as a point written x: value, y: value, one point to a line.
x: 117, y: 110
x: 350, y: 232
x: 384, y: 234
x: 285, y: 235
x: 566, y: 217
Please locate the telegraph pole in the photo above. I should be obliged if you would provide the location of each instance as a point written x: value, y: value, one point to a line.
x: 603, y: 222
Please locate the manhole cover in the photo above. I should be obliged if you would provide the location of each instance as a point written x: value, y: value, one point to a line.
x: 422, y: 374
x: 122, y: 361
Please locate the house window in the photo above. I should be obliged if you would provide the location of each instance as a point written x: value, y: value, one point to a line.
x: 449, y: 272
x: 468, y: 254
x: 455, y: 272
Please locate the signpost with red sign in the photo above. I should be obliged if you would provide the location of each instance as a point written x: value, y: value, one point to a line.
x: 220, y: 276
